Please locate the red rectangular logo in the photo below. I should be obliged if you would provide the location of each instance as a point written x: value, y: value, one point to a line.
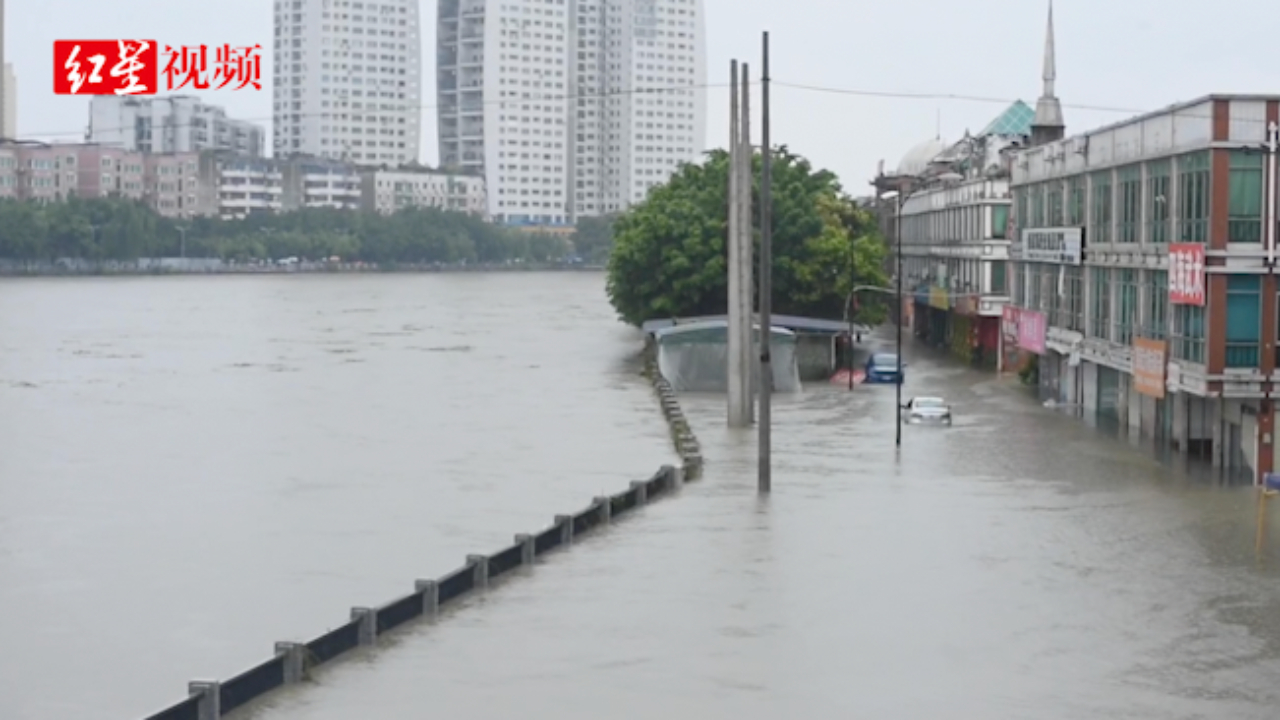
x: 134, y: 67
x: 105, y: 67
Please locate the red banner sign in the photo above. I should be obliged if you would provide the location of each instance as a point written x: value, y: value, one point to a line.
x: 1186, y: 274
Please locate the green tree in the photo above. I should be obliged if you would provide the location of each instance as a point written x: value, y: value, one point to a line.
x: 593, y: 237
x: 669, y: 254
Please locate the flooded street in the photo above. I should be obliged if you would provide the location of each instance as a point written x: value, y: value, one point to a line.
x: 1018, y: 565
x: 194, y: 468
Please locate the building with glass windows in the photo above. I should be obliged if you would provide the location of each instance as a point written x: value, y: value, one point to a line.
x: 1143, y: 276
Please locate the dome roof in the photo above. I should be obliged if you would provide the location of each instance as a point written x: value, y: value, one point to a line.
x: 917, y: 159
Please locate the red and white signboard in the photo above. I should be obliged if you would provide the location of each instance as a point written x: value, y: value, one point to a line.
x: 1186, y: 274
x: 136, y: 67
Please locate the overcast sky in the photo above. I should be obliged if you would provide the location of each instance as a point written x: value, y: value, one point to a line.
x: 1125, y: 54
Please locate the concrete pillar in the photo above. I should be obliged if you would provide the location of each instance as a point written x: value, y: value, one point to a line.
x: 430, y: 590
x: 295, y: 661
x: 368, y: 618
x: 642, y: 491
x: 1218, y: 431
x: 480, y: 565
x: 1181, y: 430
x: 565, y: 523
x: 527, y: 551
x: 606, y: 508
x: 210, y: 694
x: 675, y: 476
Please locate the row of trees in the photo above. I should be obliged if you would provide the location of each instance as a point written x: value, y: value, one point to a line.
x: 669, y: 257
x: 116, y: 229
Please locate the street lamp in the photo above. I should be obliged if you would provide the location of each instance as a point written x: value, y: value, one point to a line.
x: 907, y: 186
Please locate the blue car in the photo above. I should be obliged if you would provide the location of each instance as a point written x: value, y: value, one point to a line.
x: 884, y: 368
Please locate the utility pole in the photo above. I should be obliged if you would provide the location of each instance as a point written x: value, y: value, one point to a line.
x: 765, y: 480
x: 738, y: 399
x: 746, y: 235
x: 897, y: 229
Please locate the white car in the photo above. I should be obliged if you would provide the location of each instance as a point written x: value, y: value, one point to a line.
x: 922, y: 410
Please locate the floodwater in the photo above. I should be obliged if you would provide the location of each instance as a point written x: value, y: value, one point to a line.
x: 1018, y: 565
x: 194, y: 468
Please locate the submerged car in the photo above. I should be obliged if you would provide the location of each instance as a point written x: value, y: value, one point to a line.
x: 884, y: 368
x: 927, y: 410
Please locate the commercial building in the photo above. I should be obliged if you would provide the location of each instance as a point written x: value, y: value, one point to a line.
x: 9, y: 117
x: 172, y: 124
x: 387, y: 191
x: 347, y: 80
x: 1144, y: 275
x: 569, y: 109
x: 953, y: 203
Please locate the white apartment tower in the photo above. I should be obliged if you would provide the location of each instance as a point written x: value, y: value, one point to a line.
x: 348, y: 80
x: 570, y: 108
x: 170, y: 124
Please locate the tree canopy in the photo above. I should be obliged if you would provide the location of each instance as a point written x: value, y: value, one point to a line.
x: 670, y: 253
x: 118, y: 229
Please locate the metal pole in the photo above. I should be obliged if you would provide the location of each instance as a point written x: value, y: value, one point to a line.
x: 765, y: 481
x: 182, y: 249
x: 897, y: 438
x: 737, y: 342
x: 746, y: 227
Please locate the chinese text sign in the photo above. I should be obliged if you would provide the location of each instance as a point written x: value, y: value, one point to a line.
x: 1032, y: 328
x: 1149, y: 367
x: 1186, y: 274
x: 136, y: 67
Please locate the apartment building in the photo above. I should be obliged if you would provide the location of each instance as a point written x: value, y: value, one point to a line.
x: 1145, y: 275
x: 569, y: 109
x: 387, y: 191
x: 56, y: 172
x: 171, y: 183
x: 236, y: 186
x: 319, y: 182
x: 347, y: 80
x: 170, y: 124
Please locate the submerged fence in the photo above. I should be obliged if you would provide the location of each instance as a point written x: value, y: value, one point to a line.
x: 292, y: 661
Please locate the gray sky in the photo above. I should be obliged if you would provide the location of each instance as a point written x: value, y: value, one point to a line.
x: 1128, y: 54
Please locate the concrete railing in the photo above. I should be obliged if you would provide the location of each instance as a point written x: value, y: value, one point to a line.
x: 682, y: 437
x: 292, y: 661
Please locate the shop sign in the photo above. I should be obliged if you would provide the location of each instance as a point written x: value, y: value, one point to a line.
x: 1186, y: 274
x: 1149, y: 367
x: 1063, y: 246
x: 1032, y: 327
x: 938, y: 298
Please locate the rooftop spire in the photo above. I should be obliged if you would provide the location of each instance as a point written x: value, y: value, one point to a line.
x: 1050, y: 66
x: 1048, y: 124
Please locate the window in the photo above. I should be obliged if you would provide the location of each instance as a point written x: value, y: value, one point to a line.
x: 1244, y: 213
x: 1188, y: 333
x: 1130, y: 179
x: 1100, y: 302
x: 1193, y: 197
x: 1100, y: 227
x: 1244, y: 320
x: 1054, y: 190
x: 1127, y: 310
x: 998, y: 270
x: 1155, y: 317
x: 1073, y: 310
x: 999, y: 221
x: 1075, y: 201
x: 1158, y: 215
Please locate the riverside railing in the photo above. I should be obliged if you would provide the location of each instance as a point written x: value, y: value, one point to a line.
x: 292, y: 662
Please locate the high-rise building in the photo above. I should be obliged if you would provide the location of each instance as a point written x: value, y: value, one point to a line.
x: 170, y: 124
x: 9, y: 119
x: 347, y: 80
x: 569, y: 108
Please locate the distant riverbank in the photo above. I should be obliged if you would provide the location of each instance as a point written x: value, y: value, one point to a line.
x: 213, y: 266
